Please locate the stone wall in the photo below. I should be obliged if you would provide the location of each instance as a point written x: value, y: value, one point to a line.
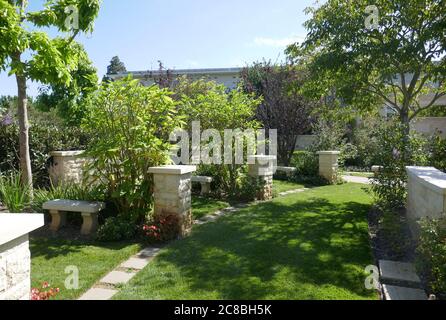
x: 67, y: 166
x: 426, y: 194
x: 15, y: 257
x: 15, y: 260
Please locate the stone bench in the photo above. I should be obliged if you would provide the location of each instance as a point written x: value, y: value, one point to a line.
x: 287, y: 170
x: 205, y: 183
x: 376, y: 169
x: 89, y: 211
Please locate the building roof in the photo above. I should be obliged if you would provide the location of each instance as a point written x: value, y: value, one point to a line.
x: 179, y: 72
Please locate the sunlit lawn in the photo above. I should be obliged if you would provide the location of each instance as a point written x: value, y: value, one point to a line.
x: 282, y: 186
x: 311, y: 245
x: 51, y: 257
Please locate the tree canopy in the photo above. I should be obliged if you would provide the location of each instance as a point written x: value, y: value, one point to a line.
x: 398, y: 59
x: 29, y: 53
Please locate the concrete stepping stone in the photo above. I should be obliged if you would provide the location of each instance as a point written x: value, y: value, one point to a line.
x: 403, y: 293
x: 149, y: 252
x: 398, y: 272
x: 118, y: 277
x: 98, y: 294
x: 137, y: 263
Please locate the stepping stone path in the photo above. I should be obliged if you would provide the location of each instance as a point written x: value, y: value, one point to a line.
x: 400, y: 281
x: 106, y: 288
x: 402, y: 293
x: 354, y: 179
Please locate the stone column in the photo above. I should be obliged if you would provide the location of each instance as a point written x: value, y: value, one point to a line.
x: 172, y: 194
x: 67, y: 166
x: 15, y: 257
x: 328, y: 165
x: 261, y: 167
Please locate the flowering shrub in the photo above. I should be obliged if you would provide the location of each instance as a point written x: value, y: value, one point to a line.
x: 162, y: 229
x: 45, y: 293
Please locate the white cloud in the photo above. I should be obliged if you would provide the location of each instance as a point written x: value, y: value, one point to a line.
x: 276, y: 42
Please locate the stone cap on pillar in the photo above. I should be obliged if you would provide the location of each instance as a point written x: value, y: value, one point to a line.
x: 67, y: 153
x: 329, y: 152
x: 13, y: 226
x: 173, y: 169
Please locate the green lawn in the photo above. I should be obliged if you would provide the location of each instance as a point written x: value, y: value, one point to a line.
x: 282, y: 186
x: 50, y: 257
x: 202, y: 206
x: 311, y: 245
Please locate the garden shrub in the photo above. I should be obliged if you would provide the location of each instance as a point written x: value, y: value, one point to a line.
x: 306, y: 163
x: 307, y: 169
x: 13, y: 195
x: 116, y: 229
x: 47, y: 133
x: 130, y: 127
x: 395, y: 152
x: 437, y: 151
x: 218, y: 109
x: 431, y: 258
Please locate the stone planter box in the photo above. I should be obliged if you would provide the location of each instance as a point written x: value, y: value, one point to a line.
x: 15, y: 257
x: 426, y: 196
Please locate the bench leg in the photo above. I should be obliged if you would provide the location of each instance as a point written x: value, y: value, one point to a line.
x: 205, y: 188
x: 58, y: 219
x: 90, y: 223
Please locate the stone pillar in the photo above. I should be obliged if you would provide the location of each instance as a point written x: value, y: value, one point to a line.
x: 328, y: 165
x: 172, y: 194
x: 15, y: 257
x: 261, y: 167
x: 67, y: 166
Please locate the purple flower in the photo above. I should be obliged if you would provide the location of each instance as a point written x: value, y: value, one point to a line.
x: 6, y: 120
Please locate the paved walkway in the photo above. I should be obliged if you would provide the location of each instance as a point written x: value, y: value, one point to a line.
x: 109, y: 285
x: 354, y: 179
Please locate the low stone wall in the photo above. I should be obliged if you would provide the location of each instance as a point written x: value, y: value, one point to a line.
x: 67, y: 166
x: 15, y: 257
x: 426, y: 194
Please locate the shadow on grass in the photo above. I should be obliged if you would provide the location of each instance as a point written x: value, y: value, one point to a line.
x: 55, y: 247
x: 261, y: 250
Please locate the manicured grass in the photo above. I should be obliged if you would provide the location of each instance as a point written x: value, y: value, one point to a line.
x: 282, y: 186
x: 311, y: 245
x: 50, y: 257
x: 202, y: 206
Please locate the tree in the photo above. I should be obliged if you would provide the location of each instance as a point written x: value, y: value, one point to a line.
x: 30, y: 54
x: 393, y: 51
x: 283, y: 107
x: 71, y: 101
x: 116, y: 66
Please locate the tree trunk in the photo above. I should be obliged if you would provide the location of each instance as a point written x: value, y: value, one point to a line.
x: 405, y: 121
x: 25, y: 160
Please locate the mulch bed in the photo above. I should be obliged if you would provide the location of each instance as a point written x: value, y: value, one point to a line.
x: 400, y: 248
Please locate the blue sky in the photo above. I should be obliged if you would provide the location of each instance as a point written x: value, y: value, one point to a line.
x: 188, y: 33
